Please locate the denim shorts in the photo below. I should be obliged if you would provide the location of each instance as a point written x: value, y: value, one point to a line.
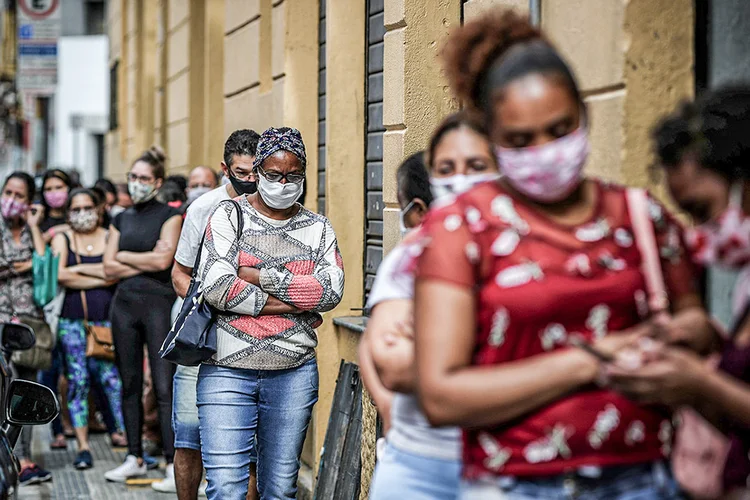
x: 400, y: 475
x: 636, y: 482
x: 185, y: 422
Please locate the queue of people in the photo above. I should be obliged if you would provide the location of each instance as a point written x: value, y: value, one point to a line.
x: 538, y: 333
x: 269, y: 267
x: 529, y: 311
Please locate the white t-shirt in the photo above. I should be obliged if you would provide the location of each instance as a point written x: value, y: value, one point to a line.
x: 195, y: 223
x: 410, y: 430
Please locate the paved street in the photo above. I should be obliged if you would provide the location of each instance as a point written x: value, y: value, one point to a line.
x: 70, y: 484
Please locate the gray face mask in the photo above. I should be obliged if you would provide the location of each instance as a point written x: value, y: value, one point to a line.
x: 195, y: 193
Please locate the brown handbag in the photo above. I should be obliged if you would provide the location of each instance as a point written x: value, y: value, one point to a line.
x: 99, y: 343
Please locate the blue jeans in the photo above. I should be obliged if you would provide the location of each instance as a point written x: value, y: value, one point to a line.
x: 185, y: 423
x: 238, y: 408
x: 636, y: 482
x: 401, y: 475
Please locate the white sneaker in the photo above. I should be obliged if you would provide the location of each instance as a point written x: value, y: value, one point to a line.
x: 168, y: 484
x: 128, y: 469
x: 380, y: 448
x: 202, y: 489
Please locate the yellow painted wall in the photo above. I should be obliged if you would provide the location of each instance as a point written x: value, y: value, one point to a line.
x: 345, y: 164
x: 253, y: 80
x: 171, y: 83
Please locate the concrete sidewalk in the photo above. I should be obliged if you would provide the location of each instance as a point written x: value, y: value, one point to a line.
x: 70, y: 484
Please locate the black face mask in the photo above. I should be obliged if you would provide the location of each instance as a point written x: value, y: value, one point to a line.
x: 242, y: 187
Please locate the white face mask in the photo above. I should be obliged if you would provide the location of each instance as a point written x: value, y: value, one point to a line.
x: 277, y: 195
x: 401, y: 222
x: 457, y: 184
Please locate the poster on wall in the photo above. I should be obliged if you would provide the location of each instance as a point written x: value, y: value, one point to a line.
x: 38, y: 32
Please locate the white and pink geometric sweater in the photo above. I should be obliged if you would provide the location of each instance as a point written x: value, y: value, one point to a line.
x: 299, y: 263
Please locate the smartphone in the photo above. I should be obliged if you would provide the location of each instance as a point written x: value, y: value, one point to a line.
x: 582, y: 344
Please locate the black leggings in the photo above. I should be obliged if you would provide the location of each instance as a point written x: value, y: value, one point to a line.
x: 138, y: 317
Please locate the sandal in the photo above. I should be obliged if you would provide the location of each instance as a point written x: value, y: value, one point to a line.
x: 118, y: 440
x: 59, y: 443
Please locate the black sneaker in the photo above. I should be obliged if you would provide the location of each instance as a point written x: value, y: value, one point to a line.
x: 27, y: 476
x: 34, y: 475
x: 83, y: 460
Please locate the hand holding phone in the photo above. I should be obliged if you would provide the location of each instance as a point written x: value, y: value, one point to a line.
x: 580, y: 343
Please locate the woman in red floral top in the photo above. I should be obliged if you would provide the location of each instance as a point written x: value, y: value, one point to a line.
x: 513, y: 270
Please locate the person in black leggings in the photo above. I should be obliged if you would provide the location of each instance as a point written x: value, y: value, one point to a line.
x: 140, y: 250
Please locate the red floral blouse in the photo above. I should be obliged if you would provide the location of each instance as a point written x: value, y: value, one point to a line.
x: 538, y: 282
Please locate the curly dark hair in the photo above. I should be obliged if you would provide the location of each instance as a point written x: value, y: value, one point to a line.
x: 714, y: 128
x: 486, y: 54
x: 243, y: 142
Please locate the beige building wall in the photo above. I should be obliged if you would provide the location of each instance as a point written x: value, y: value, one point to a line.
x: 176, y: 80
x: 253, y: 70
x: 170, y: 55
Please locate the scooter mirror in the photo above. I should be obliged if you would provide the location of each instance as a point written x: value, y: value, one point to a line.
x: 29, y: 403
x: 16, y: 337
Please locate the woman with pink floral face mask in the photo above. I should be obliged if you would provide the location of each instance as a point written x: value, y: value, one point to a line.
x: 20, y: 237
x: 513, y: 272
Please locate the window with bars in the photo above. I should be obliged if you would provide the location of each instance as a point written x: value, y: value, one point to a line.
x: 322, y: 109
x: 374, y: 129
x: 113, y: 88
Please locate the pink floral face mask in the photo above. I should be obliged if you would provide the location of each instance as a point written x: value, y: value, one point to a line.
x: 725, y: 240
x: 12, y: 208
x: 546, y: 173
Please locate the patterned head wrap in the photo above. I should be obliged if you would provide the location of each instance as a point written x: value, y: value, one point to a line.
x: 280, y: 139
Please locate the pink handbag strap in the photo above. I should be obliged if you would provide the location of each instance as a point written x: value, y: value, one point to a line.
x: 643, y: 229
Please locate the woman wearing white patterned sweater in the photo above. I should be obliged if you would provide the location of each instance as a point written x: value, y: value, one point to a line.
x: 270, y: 286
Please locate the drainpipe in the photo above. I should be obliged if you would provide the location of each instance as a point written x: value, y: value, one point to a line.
x: 535, y: 12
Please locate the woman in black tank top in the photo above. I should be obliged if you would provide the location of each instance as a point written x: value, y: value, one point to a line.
x: 81, y: 250
x: 140, y: 251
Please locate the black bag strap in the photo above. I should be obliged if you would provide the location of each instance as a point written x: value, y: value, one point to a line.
x: 240, y: 229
